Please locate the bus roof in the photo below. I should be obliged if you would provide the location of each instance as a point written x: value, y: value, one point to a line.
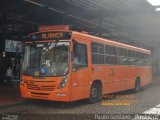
x: 113, y: 43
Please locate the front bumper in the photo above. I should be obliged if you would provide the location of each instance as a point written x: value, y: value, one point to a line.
x: 55, y: 95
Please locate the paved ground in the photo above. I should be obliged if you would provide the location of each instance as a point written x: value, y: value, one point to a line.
x: 147, y: 99
x: 10, y: 94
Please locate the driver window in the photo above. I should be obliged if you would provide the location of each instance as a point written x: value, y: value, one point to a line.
x: 79, y: 56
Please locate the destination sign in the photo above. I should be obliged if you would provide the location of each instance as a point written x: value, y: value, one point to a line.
x: 50, y: 36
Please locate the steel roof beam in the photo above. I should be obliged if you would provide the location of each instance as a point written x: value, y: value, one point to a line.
x: 115, y: 13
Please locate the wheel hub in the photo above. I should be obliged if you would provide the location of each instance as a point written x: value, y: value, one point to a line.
x: 94, y: 92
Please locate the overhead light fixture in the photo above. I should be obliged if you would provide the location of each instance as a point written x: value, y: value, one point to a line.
x: 154, y: 2
x: 55, y: 10
x: 30, y: 1
x: 157, y: 9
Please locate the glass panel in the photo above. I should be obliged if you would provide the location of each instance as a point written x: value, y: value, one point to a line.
x: 122, y: 52
x: 79, y: 56
x: 95, y: 59
x: 94, y: 47
x: 110, y: 50
x: 110, y: 59
x: 46, y: 59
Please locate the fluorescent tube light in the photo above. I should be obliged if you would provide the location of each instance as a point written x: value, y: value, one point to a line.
x: 30, y: 1
x: 154, y: 2
x: 157, y: 9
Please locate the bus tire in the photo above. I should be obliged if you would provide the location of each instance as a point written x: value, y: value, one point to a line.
x: 99, y: 92
x: 95, y: 92
x: 137, y: 85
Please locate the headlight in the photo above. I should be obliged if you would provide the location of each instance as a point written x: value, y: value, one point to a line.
x: 21, y: 82
x: 63, y: 82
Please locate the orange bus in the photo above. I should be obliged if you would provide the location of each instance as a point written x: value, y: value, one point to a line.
x: 64, y: 65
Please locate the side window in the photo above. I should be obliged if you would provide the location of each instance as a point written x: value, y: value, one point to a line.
x: 101, y: 53
x: 110, y: 55
x: 122, y: 56
x: 110, y: 50
x: 131, y: 57
x: 146, y: 59
x: 97, y: 53
x: 80, y: 58
x: 149, y: 60
x: 142, y: 59
x: 139, y: 61
x: 137, y: 58
x: 94, y: 47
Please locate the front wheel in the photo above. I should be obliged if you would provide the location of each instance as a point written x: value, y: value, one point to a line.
x: 95, y: 93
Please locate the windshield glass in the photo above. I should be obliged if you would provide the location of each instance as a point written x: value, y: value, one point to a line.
x: 46, y: 59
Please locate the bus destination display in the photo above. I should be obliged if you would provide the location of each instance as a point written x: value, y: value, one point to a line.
x: 50, y: 36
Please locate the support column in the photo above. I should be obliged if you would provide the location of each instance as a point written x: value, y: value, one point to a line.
x: 2, y: 44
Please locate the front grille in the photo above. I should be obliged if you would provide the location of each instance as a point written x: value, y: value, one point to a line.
x: 47, y: 88
x: 33, y: 85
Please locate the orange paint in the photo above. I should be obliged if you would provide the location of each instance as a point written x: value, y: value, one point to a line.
x: 114, y: 78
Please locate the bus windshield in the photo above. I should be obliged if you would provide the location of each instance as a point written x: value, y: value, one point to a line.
x: 46, y: 59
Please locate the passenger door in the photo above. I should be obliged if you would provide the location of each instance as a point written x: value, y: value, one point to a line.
x: 80, y: 71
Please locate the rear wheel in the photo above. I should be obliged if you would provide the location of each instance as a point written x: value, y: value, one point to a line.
x: 95, y: 93
x: 137, y: 85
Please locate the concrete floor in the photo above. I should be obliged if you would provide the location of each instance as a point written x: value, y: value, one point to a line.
x: 147, y: 99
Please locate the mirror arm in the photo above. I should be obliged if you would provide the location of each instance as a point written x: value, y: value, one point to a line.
x: 72, y: 56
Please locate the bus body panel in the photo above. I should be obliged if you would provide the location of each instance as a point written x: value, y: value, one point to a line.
x: 114, y: 78
x: 56, y: 94
x: 81, y: 78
